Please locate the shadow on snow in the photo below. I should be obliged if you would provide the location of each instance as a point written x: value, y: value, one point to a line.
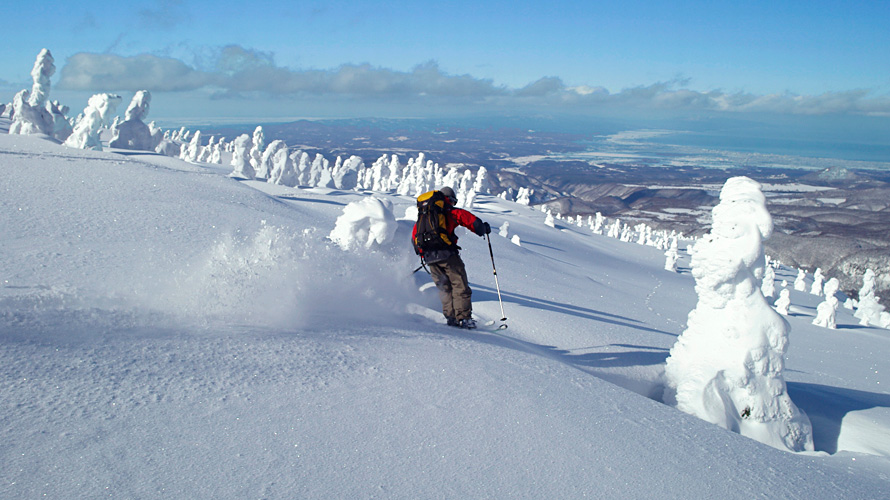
x: 484, y: 293
x: 827, y: 406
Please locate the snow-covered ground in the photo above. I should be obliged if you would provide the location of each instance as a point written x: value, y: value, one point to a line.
x: 169, y: 332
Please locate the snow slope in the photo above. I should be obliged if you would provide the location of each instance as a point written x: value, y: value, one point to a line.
x: 169, y: 332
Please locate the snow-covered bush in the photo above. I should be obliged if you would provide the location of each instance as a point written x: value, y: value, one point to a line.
x: 727, y: 365
x: 100, y: 108
x: 364, y: 224
x: 133, y: 133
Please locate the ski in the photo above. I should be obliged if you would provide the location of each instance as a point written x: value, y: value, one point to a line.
x: 502, y: 326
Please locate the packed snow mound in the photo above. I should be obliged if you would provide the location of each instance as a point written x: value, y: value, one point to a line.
x: 364, y: 224
x: 727, y: 365
x: 256, y: 261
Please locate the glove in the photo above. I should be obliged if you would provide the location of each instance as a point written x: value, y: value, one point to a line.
x: 487, y: 228
x: 481, y: 228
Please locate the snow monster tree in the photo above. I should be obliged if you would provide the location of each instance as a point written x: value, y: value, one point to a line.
x: 727, y: 365
x: 133, y: 133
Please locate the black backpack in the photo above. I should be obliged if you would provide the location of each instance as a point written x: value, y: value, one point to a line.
x: 432, y: 224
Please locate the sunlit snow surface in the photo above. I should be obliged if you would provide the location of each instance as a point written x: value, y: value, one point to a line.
x: 170, y: 332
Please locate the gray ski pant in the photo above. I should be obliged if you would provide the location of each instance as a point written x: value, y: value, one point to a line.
x: 450, y: 277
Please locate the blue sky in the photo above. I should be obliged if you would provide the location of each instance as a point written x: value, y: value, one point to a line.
x: 373, y: 58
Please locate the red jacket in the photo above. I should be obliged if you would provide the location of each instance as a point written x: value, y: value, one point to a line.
x: 457, y: 217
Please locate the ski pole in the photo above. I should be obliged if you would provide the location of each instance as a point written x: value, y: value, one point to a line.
x: 495, y: 271
x: 422, y: 266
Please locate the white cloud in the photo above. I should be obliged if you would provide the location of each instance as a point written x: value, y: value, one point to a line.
x: 237, y: 71
x: 108, y: 72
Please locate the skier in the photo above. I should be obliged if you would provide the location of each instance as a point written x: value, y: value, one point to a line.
x: 441, y: 253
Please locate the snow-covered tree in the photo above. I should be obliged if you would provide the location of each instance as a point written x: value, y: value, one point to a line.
x: 626, y: 233
x: 523, y: 197
x: 100, y: 108
x: 241, y: 158
x: 169, y: 148
x: 727, y: 365
x: 671, y: 257
x: 26, y: 120
x: 265, y: 165
x: 395, y: 172
x: 303, y: 167
x: 43, y: 69
x: 768, y: 288
x: 614, y: 229
x: 481, y: 185
x: 465, y: 193
x: 191, y: 152
x: 283, y: 169
x: 30, y: 112
x: 505, y: 229
x: 818, y: 278
x: 157, y: 134
x: 598, y: 222
x: 114, y: 124
x: 800, y: 283
x: 258, y: 145
x: 345, y: 174
x: 375, y: 178
x: 320, y: 173
x: 827, y: 310
x: 61, y: 126
x: 204, y: 152
x: 870, y: 309
x: 783, y: 302
x: 217, y: 151
x: 133, y: 133
x: 550, y: 220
